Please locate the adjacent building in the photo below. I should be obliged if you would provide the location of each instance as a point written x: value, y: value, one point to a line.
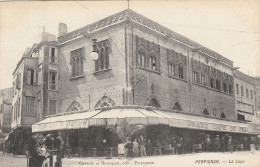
x: 245, y: 96
x: 34, y: 89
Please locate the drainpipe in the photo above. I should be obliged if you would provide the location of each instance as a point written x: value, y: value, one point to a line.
x: 126, y: 64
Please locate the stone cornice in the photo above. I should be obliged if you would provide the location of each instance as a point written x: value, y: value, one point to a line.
x: 130, y: 15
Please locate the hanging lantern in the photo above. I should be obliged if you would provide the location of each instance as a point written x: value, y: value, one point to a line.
x: 94, y: 54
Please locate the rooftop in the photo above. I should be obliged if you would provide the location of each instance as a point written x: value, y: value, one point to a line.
x: 130, y: 15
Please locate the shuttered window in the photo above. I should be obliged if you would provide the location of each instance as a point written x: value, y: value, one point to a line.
x: 30, y: 106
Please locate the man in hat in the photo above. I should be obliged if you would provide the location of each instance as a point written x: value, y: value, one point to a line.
x: 128, y: 147
x: 217, y: 143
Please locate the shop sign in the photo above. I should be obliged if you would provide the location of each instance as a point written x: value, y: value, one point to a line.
x: 60, y: 125
x: 208, y: 126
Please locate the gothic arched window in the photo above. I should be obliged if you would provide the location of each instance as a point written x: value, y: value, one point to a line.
x: 153, y: 62
x: 154, y: 102
x: 222, y: 115
x: 141, y: 59
x: 75, y: 106
x: 177, y: 106
x: 105, y: 102
x: 76, y: 62
x: 181, y: 71
x: 102, y: 62
x: 171, y: 69
x: 205, y: 112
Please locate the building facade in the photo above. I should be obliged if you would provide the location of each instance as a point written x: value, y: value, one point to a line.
x: 142, y: 63
x: 6, y: 110
x: 34, y: 89
x: 148, y: 75
x: 245, y: 95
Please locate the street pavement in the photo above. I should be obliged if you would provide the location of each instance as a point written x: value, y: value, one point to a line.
x: 12, y: 161
x: 235, y: 159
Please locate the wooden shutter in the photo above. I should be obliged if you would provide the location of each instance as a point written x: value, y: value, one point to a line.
x: 28, y: 78
x: 35, y: 78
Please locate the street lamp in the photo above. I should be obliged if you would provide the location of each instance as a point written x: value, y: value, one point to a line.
x: 94, y: 54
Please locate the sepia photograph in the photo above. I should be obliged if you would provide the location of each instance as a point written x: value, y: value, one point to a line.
x: 130, y: 83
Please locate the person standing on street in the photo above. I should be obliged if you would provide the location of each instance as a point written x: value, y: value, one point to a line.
x: 207, y: 143
x: 128, y: 147
x: 149, y: 147
x: 142, y: 146
x: 230, y: 144
x: 173, y: 144
x: 135, y: 148
x: 217, y: 143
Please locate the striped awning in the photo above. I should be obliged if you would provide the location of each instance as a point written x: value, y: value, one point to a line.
x: 112, y: 116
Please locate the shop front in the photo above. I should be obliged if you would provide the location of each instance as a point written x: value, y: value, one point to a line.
x: 100, y: 132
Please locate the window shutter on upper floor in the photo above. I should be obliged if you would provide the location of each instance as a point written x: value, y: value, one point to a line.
x: 28, y: 78
x: 35, y: 77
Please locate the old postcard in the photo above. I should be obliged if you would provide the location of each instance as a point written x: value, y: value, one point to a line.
x: 130, y: 83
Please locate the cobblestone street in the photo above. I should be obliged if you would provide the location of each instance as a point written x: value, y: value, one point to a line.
x: 12, y: 161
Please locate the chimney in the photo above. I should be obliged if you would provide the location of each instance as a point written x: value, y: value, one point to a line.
x: 62, y: 29
x: 47, y: 36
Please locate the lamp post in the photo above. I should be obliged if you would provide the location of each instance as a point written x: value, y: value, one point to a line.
x: 94, y: 54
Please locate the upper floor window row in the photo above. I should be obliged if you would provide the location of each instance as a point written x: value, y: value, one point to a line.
x: 249, y: 93
x: 77, y: 58
x: 148, y: 54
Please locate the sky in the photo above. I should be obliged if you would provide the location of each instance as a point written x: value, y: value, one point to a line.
x: 228, y: 27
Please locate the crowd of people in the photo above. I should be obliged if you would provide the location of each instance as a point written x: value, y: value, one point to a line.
x: 142, y: 147
x: 226, y: 143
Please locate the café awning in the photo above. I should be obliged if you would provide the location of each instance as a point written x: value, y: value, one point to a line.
x: 111, y: 116
x: 188, y: 121
x: 65, y: 122
x: 130, y: 115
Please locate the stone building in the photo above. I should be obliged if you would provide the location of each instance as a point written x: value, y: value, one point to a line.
x: 143, y: 63
x: 34, y: 89
x: 189, y: 88
x: 245, y: 95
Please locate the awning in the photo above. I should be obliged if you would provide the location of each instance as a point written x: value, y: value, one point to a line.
x: 70, y: 121
x: 111, y: 116
x: 130, y: 115
x: 199, y: 122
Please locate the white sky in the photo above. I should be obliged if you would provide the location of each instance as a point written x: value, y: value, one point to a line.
x: 229, y: 27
